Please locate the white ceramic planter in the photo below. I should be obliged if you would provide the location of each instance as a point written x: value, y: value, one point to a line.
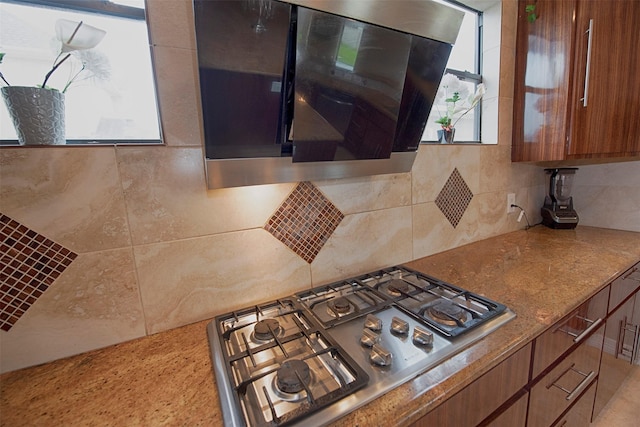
x: 37, y: 114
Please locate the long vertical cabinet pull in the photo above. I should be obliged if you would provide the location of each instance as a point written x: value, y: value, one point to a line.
x: 624, y: 328
x: 588, y: 67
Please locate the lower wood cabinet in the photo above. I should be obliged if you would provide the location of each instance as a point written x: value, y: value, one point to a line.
x: 514, y: 414
x: 566, y: 376
x: 619, y: 350
x: 481, y: 398
x: 564, y: 385
x: 580, y: 414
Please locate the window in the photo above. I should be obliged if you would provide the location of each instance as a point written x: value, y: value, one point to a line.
x: 121, y: 108
x: 465, y: 63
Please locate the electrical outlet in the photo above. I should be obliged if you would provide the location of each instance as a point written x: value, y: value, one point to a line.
x: 511, y: 199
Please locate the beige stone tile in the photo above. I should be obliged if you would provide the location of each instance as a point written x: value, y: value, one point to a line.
x: 485, y: 217
x: 495, y: 168
x: 189, y: 280
x: 432, y: 232
x: 178, y: 95
x: 608, y: 206
x: 365, y: 242
x: 368, y: 193
x: 171, y: 23
x: 72, y: 195
x: 94, y: 303
x: 509, y: 23
x: 505, y: 121
x: 167, y: 199
x: 623, y: 174
x: 435, y: 163
x: 498, y: 173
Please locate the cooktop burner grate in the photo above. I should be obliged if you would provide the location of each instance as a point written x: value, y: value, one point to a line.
x: 290, y: 370
x: 310, y: 358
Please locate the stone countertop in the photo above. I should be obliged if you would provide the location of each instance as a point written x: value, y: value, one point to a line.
x: 166, y: 379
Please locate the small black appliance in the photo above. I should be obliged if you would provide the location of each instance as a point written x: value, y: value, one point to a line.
x: 558, y: 211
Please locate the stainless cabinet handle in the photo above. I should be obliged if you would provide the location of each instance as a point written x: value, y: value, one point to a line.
x: 627, y: 276
x: 588, y: 67
x: 622, y: 333
x: 579, y: 337
x: 579, y: 388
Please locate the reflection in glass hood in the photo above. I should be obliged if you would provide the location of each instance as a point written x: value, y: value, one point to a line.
x: 317, y: 90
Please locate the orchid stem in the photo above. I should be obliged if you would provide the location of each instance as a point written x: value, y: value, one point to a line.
x: 55, y: 67
x: 4, y: 80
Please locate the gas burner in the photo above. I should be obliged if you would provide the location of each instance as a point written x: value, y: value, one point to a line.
x: 339, y: 307
x: 395, y: 287
x: 447, y: 313
x: 292, y: 377
x: 264, y: 330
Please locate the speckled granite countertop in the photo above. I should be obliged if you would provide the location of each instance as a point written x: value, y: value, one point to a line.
x: 166, y: 379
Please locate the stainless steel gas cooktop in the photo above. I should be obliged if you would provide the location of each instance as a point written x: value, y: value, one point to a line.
x: 311, y: 358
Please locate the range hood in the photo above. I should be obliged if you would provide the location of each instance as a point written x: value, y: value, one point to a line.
x: 317, y: 89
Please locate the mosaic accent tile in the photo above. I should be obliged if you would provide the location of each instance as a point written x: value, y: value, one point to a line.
x: 305, y: 221
x: 29, y: 264
x: 454, y: 198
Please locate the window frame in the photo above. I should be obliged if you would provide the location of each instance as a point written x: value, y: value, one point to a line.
x: 474, y: 76
x: 105, y: 8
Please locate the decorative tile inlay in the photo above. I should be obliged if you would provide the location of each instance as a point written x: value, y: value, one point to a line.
x: 29, y: 264
x: 305, y: 221
x: 454, y: 198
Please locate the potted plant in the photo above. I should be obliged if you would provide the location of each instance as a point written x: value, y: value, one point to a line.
x: 38, y: 111
x: 454, y: 94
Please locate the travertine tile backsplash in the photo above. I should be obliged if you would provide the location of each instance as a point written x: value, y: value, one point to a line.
x: 156, y: 249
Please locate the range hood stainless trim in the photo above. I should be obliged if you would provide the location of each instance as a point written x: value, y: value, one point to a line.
x: 423, y: 18
x: 223, y: 173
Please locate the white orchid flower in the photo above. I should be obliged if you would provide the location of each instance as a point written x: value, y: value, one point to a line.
x: 77, y: 35
x: 73, y: 36
x: 456, y: 96
x: 480, y: 91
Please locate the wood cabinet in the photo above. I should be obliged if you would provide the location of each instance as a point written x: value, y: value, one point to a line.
x: 621, y: 337
x: 481, y: 398
x: 580, y: 414
x: 563, y: 378
x: 577, y: 90
x: 569, y: 332
x: 565, y: 365
x: 563, y: 387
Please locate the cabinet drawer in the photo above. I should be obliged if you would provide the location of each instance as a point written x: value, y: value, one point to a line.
x: 623, y: 286
x: 580, y: 414
x: 572, y: 329
x: 514, y: 416
x: 479, y: 399
x: 564, y: 384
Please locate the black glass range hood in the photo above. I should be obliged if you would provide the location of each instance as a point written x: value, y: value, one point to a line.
x: 293, y: 93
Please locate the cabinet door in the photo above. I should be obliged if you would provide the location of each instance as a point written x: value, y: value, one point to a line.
x: 620, y: 345
x: 570, y: 331
x: 625, y: 285
x: 606, y: 89
x: 564, y: 385
x: 483, y: 396
x: 542, y: 81
x: 580, y: 414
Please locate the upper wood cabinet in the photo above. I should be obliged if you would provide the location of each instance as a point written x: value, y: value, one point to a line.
x: 577, y: 80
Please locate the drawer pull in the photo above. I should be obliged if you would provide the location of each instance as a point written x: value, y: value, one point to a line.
x: 622, y: 333
x: 627, y: 276
x: 579, y: 388
x: 579, y: 337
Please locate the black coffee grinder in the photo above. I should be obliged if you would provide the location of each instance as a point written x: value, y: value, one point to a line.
x: 558, y: 211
